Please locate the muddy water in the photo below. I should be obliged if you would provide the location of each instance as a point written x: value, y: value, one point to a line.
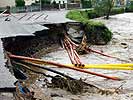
x: 121, y: 46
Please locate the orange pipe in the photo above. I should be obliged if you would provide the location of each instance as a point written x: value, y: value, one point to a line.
x: 61, y: 65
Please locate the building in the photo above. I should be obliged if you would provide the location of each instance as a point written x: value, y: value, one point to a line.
x: 4, y: 3
x: 121, y: 2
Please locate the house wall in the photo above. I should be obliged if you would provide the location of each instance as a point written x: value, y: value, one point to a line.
x: 29, y: 2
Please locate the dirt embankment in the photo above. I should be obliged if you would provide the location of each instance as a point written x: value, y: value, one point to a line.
x: 32, y: 46
x: 45, y: 41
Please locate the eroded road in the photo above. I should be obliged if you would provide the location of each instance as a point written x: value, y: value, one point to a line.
x: 121, y: 46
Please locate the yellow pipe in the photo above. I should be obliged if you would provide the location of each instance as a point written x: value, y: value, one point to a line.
x: 104, y: 67
x: 122, y: 65
x: 127, y: 66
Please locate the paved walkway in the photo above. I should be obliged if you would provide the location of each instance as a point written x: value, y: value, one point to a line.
x: 6, y: 79
x: 43, y: 17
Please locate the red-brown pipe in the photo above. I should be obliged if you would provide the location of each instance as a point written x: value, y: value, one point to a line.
x: 61, y: 65
x: 88, y: 49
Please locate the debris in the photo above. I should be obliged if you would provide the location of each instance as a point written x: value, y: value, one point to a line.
x: 72, y: 85
x: 124, y: 45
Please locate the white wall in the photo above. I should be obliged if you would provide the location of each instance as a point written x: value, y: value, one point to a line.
x: 29, y: 2
x: 4, y: 3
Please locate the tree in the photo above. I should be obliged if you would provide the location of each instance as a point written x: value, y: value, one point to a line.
x: 45, y: 1
x: 86, y: 3
x: 103, y: 7
x: 20, y: 3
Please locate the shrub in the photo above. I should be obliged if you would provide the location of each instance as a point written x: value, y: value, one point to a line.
x: 117, y: 11
x: 92, y: 14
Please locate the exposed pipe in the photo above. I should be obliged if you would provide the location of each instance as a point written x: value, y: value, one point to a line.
x: 62, y: 66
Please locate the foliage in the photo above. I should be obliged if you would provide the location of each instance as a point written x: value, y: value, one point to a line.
x: 103, y: 7
x: 75, y: 15
x: 130, y: 7
x: 117, y: 10
x: 97, y: 32
x: 92, y: 14
x: 45, y: 2
x: 86, y: 3
x: 20, y: 3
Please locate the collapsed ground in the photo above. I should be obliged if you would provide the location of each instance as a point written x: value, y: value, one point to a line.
x: 120, y: 46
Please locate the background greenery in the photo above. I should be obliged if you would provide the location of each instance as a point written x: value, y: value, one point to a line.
x: 130, y: 7
x: 86, y: 3
x: 20, y: 3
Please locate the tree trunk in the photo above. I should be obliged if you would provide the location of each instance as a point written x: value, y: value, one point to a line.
x: 109, y: 9
x: 108, y: 13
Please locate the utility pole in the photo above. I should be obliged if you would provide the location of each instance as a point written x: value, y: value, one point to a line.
x: 66, y: 4
x: 40, y: 5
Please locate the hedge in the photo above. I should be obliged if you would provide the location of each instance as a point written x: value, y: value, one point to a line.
x: 117, y: 11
